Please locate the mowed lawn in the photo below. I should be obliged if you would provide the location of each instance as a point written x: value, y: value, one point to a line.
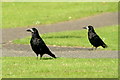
x: 22, y: 14
x: 79, y: 38
x: 30, y: 67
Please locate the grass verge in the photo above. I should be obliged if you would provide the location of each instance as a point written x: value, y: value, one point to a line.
x: 20, y: 14
x: 109, y: 34
x: 30, y: 67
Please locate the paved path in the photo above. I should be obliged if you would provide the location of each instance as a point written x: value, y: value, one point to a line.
x: 74, y: 52
x: 105, y: 19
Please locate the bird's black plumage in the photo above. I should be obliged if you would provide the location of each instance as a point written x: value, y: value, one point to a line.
x: 94, y: 39
x: 38, y: 45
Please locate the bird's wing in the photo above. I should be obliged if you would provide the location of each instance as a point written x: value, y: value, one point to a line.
x: 42, y: 45
x: 100, y: 41
x: 98, y: 38
x: 45, y: 49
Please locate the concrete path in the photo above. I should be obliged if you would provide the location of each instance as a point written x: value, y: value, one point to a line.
x: 100, y: 20
x: 18, y: 50
x: 104, y: 19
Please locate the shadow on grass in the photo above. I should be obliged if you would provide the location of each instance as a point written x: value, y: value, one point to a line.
x: 65, y: 36
x: 48, y: 58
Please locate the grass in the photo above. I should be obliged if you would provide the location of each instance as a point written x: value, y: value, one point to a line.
x: 21, y: 14
x: 30, y: 67
x: 78, y: 38
x: 0, y: 65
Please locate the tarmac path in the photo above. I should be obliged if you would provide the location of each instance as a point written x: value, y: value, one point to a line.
x: 105, y: 19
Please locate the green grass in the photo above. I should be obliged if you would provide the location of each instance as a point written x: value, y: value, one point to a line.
x: 30, y: 67
x: 78, y: 38
x: 21, y: 14
x: 1, y: 66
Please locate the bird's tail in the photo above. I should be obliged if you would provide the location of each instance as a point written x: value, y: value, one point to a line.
x: 51, y: 54
x: 104, y: 46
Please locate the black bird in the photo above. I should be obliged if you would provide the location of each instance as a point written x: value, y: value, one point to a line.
x: 38, y: 45
x: 94, y: 39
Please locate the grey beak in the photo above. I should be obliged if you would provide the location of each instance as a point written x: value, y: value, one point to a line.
x: 84, y: 28
x: 28, y: 30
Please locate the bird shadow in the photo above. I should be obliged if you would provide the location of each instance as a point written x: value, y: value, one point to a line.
x: 47, y: 58
x: 65, y: 36
x: 92, y: 49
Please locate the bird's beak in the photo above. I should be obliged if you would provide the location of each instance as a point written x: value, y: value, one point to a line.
x: 29, y: 30
x: 84, y: 27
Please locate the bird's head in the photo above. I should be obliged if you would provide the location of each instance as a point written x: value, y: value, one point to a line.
x: 89, y: 27
x: 32, y: 30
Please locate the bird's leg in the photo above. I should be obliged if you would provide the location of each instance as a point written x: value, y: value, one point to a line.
x: 92, y: 48
x: 41, y: 56
x: 95, y: 48
x: 37, y: 56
